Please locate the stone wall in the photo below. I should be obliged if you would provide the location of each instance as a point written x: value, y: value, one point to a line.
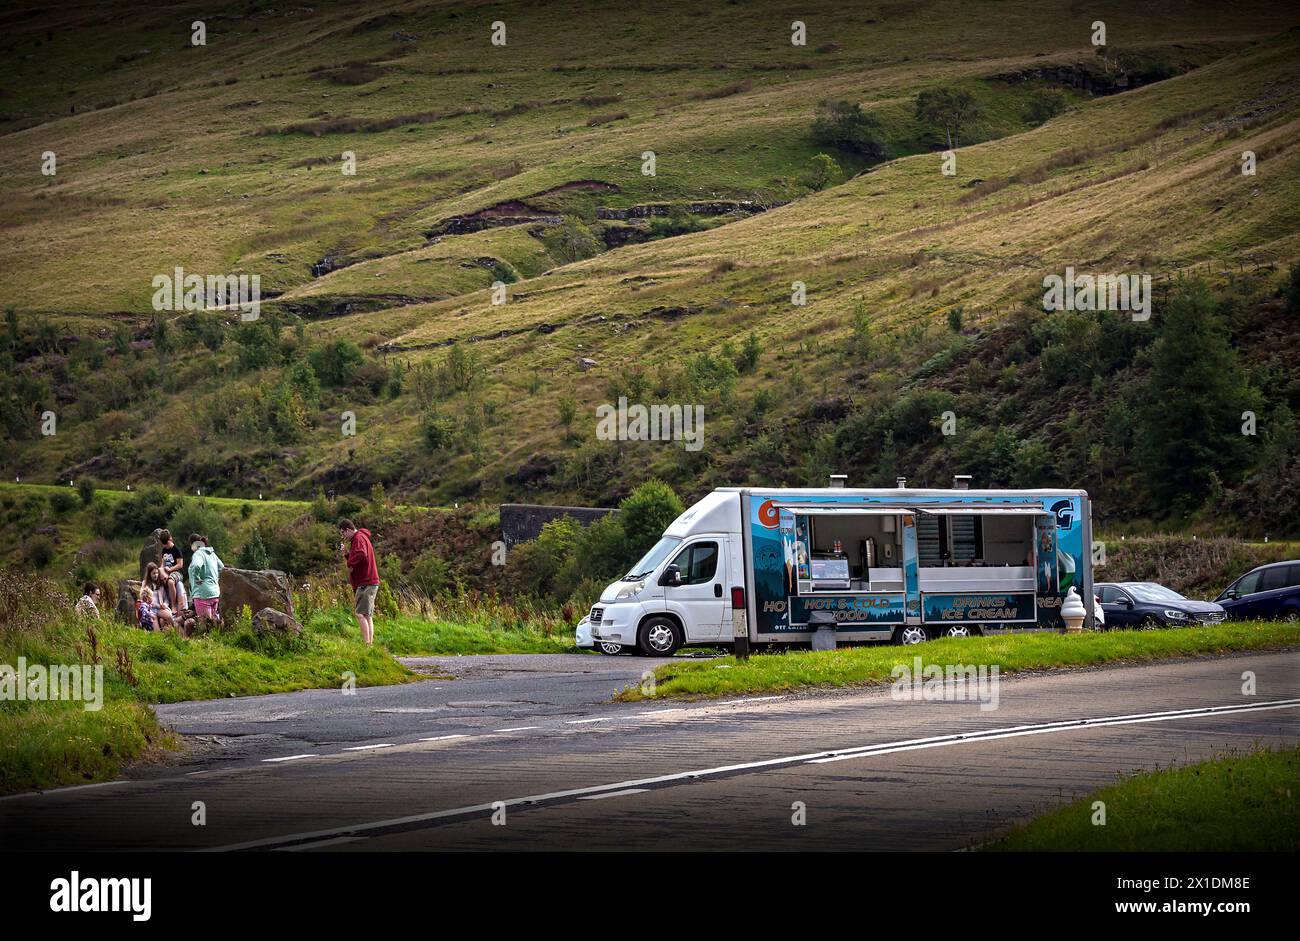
x: 521, y: 522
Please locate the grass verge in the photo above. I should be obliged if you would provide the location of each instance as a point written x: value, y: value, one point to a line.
x: 408, y: 635
x: 1238, y: 803
x: 46, y: 743
x: 870, y: 666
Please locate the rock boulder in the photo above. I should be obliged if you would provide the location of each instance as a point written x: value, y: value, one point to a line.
x: 270, y: 621
x: 152, y: 551
x: 264, y: 588
x: 128, y: 593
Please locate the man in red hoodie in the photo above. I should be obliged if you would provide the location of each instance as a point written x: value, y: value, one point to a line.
x: 363, y: 575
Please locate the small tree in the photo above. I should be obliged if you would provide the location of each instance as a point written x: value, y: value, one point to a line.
x: 86, y: 487
x: 567, y: 410
x: 825, y: 172
x: 253, y: 555
x: 646, y: 513
x: 845, y: 126
x: 950, y: 109
x: 861, y: 324
x: 954, y: 319
x: 1044, y: 104
x: 750, y: 351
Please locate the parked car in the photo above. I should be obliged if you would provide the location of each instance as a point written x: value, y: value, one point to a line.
x: 1270, y: 591
x: 1148, y: 605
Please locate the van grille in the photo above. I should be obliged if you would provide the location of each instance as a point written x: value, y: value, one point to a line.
x: 596, y: 615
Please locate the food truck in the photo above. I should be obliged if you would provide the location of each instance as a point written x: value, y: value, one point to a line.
x: 772, y: 565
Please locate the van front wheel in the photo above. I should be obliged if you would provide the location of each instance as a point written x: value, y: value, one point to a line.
x: 659, y: 637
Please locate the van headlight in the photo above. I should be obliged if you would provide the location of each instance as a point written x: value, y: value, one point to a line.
x: 628, y: 592
x: 1176, y: 615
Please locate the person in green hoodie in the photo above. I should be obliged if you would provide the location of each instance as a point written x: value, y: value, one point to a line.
x: 205, y: 578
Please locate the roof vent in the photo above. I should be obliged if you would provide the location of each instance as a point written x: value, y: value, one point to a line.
x: 902, y: 482
x: 961, y: 482
x: 838, y: 481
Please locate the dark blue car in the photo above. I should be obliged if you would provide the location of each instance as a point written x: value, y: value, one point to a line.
x: 1271, y: 592
x: 1147, y: 605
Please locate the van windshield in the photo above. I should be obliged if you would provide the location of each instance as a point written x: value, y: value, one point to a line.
x: 650, y: 561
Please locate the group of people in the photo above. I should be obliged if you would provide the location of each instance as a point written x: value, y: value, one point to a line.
x: 162, y: 599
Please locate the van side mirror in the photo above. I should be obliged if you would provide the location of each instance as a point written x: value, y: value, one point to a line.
x: 671, y: 576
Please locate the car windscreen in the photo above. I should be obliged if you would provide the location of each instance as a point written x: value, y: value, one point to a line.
x: 650, y: 561
x: 1154, y: 593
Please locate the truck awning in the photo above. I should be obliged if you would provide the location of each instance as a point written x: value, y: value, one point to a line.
x: 816, y: 509
x: 969, y: 510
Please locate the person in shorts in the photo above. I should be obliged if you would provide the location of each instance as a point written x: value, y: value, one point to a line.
x: 363, y: 575
x: 205, y: 578
x: 173, y: 562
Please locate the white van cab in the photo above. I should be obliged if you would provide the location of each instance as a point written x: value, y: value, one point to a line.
x: 681, y: 591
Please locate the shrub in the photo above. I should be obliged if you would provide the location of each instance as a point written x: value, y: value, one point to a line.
x: 385, y: 602
x: 431, y: 575
x: 63, y: 501
x: 750, y: 351
x: 1044, y: 104
x: 337, y: 363
x: 199, y: 516
x: 143, y: 512
x: 460, y: 371
x: 438, y: 432
x: 304, y: 547
x: 845, y: 126
x: 258, y: 345
x: 86, y: 487
x: 252, y: 555
x: 646, y: 513
x: 39, y: 551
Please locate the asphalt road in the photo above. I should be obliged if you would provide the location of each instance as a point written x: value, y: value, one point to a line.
x: 530, y: 743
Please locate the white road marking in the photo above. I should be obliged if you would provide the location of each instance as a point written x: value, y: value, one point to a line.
x: 585, y: 721
x: 442, y: 738
x: 290, y: 758
x: 990, y: 735
x: 658, y: 712
x: 518, y: 728
x: 300, y: 847
x: 862, y: 751
x: 734, y: 702
x: 623, y: 793
x: 369, y: 747
x: 65, y: 790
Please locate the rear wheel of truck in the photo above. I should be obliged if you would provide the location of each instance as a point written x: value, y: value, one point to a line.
x: 910, y: 634
x: 659, y: 637
x: 959, y: 630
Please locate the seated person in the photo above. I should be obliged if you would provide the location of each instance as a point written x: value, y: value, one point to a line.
x: 144, y: 609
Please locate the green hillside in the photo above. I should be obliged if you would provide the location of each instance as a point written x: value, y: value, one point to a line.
x: 523, y: 164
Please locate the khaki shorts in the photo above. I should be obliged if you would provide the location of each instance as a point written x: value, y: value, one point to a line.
x: 365, y: 596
